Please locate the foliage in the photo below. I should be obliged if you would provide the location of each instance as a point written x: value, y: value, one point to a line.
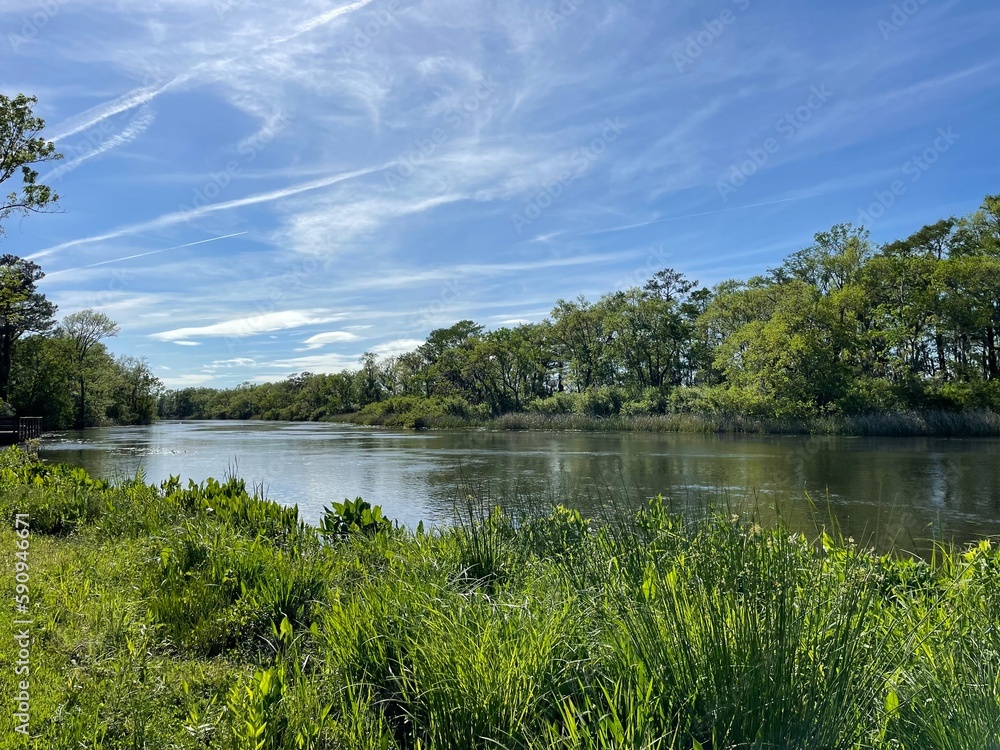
x: 45, y: 382
x: 21, y: 147
x: 22, y: 310
x: 352, y: 517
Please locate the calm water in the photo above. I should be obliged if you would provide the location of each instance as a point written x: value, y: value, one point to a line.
x: 904, y: 488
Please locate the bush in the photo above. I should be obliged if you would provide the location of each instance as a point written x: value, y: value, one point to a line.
x: 417, y: 412
x: 867, y: 395
x: 353, y: 517
x: 558, y: 403
x: 601, y: 402
x: 58, y: 498
x: 652, y: 401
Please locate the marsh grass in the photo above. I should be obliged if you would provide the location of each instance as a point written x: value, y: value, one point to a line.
x: 971, y: 423
x: 208, y: 617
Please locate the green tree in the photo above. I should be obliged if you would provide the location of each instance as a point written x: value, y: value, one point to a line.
x: 41, y: 380
x: 134, y: 391
x: 792, y: 363
x: 833, y: 261
x: 580, y: 338
x: 21, y: 147
x: 446, y: 352
x: 84, y: 330
x: 510, y: 367
x: 22, y: 310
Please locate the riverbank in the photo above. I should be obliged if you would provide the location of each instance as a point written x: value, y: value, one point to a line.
x: 980, y: 423
x: 207, y: 617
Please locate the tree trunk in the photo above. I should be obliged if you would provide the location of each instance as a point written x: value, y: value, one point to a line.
x: 6, y: 344
x: 991, y: 353
x: 81, y: 421
x: 942, y: 360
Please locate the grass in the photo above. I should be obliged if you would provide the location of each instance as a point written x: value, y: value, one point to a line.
x: 981, y: 423
x: 209, y: 617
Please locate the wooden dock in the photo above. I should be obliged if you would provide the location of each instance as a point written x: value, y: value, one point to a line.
x: 15, y: 430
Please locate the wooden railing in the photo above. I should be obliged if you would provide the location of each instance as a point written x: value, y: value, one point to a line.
x: 29, y: 428
x: 15, y: 430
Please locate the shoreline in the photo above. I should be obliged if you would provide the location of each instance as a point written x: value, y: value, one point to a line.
x: 971, y: 424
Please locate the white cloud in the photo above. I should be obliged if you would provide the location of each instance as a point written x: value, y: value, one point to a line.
x: 250, y: 325
x: 333, y: 337
x: 186, y: 381
x: 321, y: 363
x: 321, y: 20
x: 399, y: 346
x: 222, y: 364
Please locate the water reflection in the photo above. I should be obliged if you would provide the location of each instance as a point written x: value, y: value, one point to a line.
x: 879, y: 489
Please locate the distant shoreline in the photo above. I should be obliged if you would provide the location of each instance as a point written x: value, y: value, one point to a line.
x: 979, y: 423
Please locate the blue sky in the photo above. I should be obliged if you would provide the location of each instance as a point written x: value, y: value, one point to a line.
x: 254, y: 189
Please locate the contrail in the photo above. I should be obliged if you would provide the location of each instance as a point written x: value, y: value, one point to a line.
x: 140, y: 96
x: 143, y: 255
x: 317, y: 21
x: 137, y: 127
x: 179, y: 217
x: 123, y: 103
x: 686, y: 216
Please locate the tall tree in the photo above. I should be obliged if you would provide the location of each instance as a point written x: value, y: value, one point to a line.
x: 84, y: 330
x: 21, y: 147
x: 22, y: 310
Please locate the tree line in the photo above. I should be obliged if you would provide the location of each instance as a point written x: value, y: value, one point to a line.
x: 62, y: 371
x: 840, y: 327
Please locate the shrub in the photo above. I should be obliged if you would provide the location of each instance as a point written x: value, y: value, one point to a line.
x: 652, y: 401
x: 601, y: 402
x: 558, y: 403
x: 417, y: 412
x: 353, y: 517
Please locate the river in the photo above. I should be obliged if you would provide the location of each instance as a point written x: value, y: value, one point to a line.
x: 878, y: 489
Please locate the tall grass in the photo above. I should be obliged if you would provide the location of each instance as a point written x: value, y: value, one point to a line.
x: 973, y: 423
x: 215, y: 619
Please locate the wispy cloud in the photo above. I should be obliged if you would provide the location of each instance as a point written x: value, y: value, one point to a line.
x: 180, y: 217
x: 253, y: 324
x: 325, y: 339
x: 136, y: 127
x: 321, y: 20
x: 225, y: 364
x: 101, y: 112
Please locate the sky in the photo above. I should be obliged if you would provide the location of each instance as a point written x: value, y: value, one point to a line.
x: 256, y: 189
